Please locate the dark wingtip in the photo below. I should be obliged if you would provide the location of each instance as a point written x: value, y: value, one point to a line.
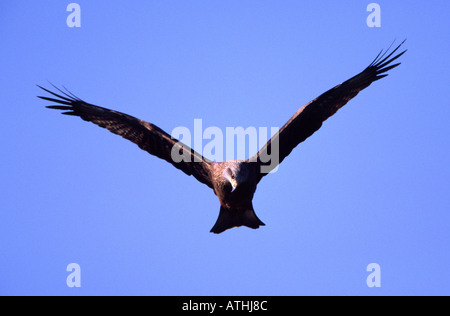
x: 58, y: 107
x: 67, y: 95
x: 70, y: 113
x: 382, y: 63
x: 64, y: 101
x: 382, y: 58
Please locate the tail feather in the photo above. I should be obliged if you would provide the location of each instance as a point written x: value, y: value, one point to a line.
x: 231, y: 218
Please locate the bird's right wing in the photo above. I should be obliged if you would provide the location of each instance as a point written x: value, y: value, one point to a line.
x: 146, y: 135
x: 310, y: 117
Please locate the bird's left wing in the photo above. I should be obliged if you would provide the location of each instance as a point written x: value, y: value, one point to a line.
x: 146, y: 135
x: 309, y: 118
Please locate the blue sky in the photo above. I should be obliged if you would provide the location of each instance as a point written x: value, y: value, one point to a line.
x: 372, y: 186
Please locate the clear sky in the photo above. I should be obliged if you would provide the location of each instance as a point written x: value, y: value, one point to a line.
x: 371, y: 186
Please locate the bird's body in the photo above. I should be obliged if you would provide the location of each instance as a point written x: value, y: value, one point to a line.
x: 242, y: 195
x: 236, y: 208
x: 234, y: 182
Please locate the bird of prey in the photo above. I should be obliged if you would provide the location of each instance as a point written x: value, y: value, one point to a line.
x: 234, y: 181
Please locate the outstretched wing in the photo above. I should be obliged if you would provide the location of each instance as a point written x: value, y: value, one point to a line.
x: 146, y: 135
x: 310, y: 117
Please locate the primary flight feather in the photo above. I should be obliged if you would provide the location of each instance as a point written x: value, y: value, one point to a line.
x: 235, y: 181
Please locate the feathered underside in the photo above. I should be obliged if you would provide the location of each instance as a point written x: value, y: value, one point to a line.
x: 239, y: 209
x: 147, y: 136
x: 309, y: 118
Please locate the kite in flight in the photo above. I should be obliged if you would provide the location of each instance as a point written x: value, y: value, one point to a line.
x: 234, y: 181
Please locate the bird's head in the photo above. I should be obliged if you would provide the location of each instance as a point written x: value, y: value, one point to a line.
x: 236, y: 173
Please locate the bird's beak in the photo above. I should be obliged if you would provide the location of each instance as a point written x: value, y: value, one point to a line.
x: 233, y: 184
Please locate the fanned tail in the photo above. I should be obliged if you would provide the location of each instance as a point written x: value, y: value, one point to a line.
x: 234, y: 218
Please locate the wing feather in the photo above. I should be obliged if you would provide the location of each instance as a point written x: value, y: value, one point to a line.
x: 147, y: 136
x: 309, y: 118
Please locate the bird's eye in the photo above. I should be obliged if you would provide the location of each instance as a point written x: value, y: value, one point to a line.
x: 232, y: 176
